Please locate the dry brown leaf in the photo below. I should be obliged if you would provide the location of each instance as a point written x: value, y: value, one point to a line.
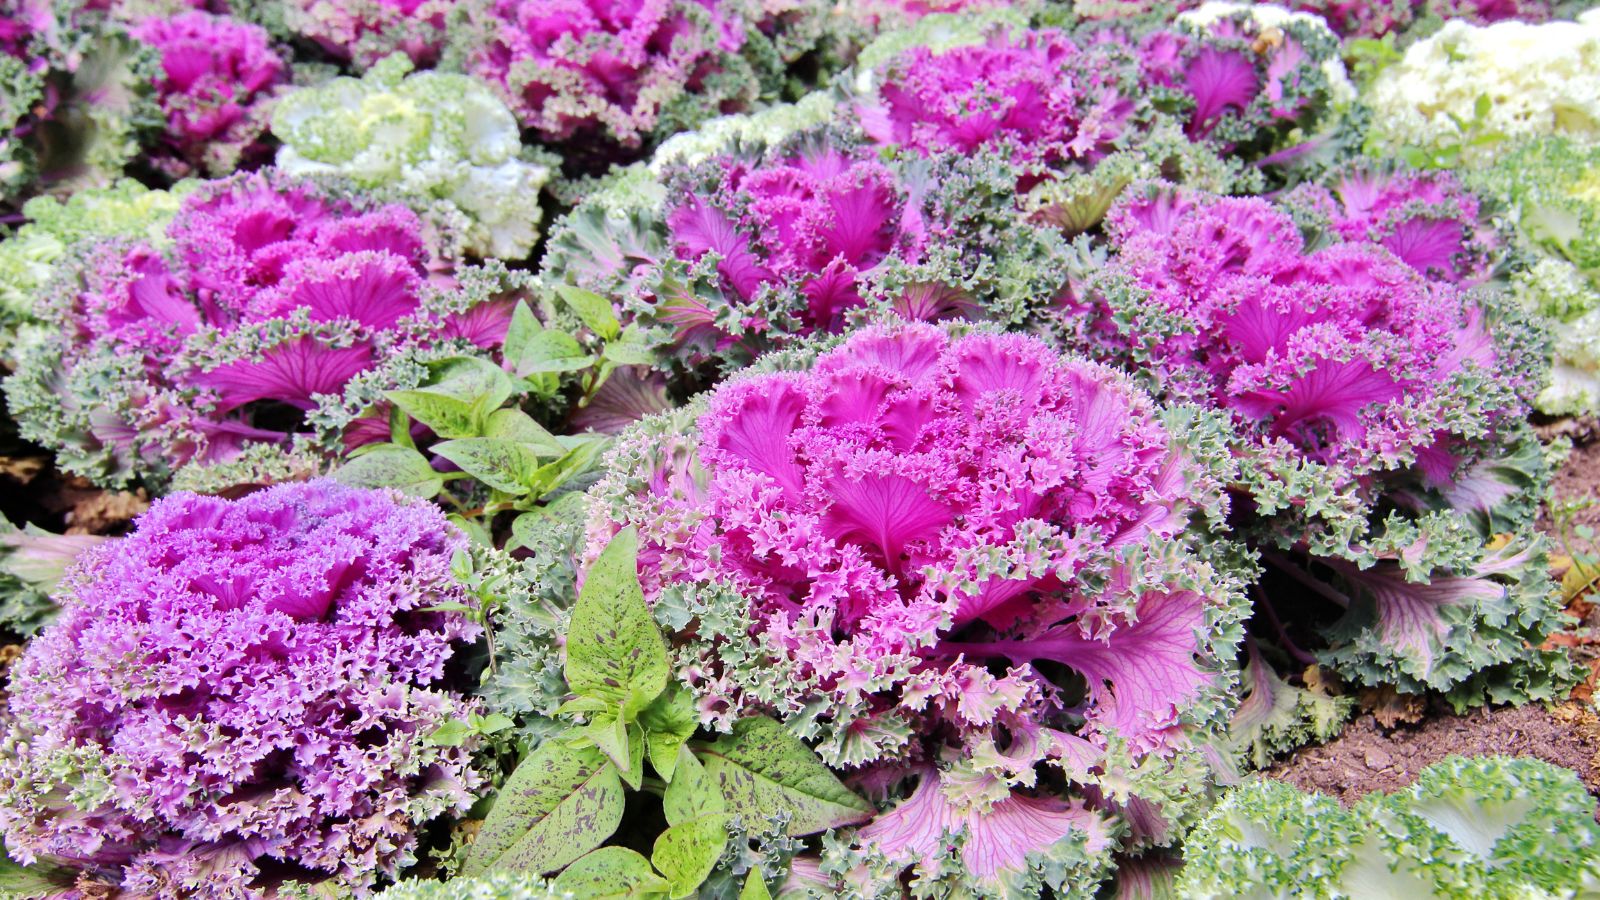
x: 1392, y: 708
x: 104, y: 511
x: 23, y: 469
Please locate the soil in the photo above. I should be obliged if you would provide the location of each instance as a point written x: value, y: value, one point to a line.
x: 1368, y: 757
x: 1390, y: 742
x: 1578, y: 479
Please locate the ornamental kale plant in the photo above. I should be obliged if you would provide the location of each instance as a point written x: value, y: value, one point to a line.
x: 752, y: 247
x: 269, y: 298
x: 364, y: 32
x: 1376, y: 424
x: 1474, y: 76
x: 614, y: 71
x: 219, y: 76
x: 76, y: 97
x: 1249, y: 77
x: 242, y: 685
x: 1494, y: 826
x: 29, y: 255
x: 925, y: 548
x: 1072, y: 118
x: 442, y: 141
x: 1427, y: 219
x: 1549, y: 198
x: 1043, y: 97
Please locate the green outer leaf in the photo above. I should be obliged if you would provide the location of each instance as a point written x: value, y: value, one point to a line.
x: 502, y: 464
x: 519, y: 426
x: 552, y: 351
x: 552, y: 475
x: 559, y: 804
x: 754, y: 887
x: 611, y: 736
x: 668, y: 722
x: 763, y: 770
x: 453, y: 733
x: 523, y: 326
x: 38, y: 880
x: 692, y: 794
x: 687, y: 852
x: 593, y: 309
x: 523, y: 526
x: 614, y: 647
x: 469, y: 379
x: 629, y: 353
x: 611, y: 872
x: 448, y: 417
x: 392, y: 466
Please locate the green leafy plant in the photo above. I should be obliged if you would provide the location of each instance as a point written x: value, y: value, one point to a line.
x: 485, y: 453
x: 566, y: 799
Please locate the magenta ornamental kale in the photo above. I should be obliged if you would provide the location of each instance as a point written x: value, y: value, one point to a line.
x: 269, y: 298
x: 1375, y: 18
x: 366, y: 31
x: 1340, y: 353
x: 1249, y: 79
x: 242, y: 685
x: 608, y: 68
x: 812, y: 224
x: 1427, y: 219
x: 218, y: 75
x: 1041, y: 96
x: 886, y: 546
x: 1375, y: 420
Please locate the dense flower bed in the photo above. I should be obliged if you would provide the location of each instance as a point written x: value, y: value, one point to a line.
x: 888, y: 449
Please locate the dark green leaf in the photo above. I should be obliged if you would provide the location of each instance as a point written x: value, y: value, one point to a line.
x: 629, y: 353
x: 559, y: 804
x: 523, y: 527
x: 523, y: 326
x: 611, y: 873
x: 552, y: 475
x: 474, y: 531
x: 469, y: 379
x: 763, y: 770
x: 391, y: 466
x: 451, y: 734
x: 615, y: 650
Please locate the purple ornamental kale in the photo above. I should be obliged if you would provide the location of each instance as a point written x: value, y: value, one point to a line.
x: 1046, y: 100
x: 934, y: 547
x: 1248, y: 82
x: 1377, y: 425
x: 910, y: 526
x: 606, y: 68
x: 1427, y: 219
x: 1341, y: 352
x: 270, y: 297
x: 243, y: 687
x: 809, y: 225
x: 218, y: 78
